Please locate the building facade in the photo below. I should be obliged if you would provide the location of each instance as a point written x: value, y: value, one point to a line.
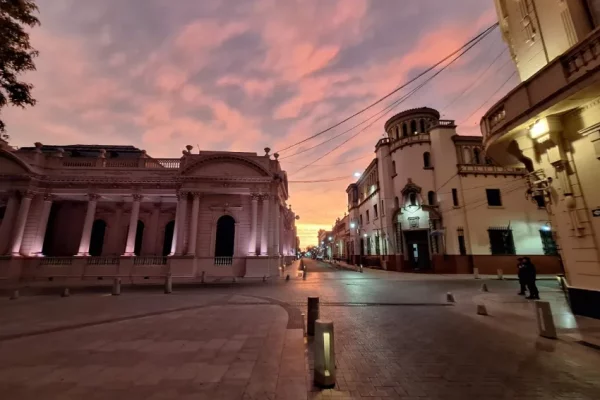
x: 342, y: 242
x: 432, y: 201
x: 550, y: 125
x: 75, y: 212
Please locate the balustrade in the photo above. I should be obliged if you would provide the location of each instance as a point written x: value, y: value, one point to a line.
x: 103, y: 260
x: 150, y: 261
x: 223, y: 260
x: 56, y: 261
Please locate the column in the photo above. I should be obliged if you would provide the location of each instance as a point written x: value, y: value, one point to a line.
x: 253, y: 226
x: 43, y: 224
x: 12, y: 208
x: 20, y: 224
x: 264, y: 234
x: 277, y: 223
x: 151, y: 235
x: 86, y: 234
x: 181, y: 223
x: 114, y: 233
x: 176, y: 227
x: 133, y: 220
x: 194, y: 226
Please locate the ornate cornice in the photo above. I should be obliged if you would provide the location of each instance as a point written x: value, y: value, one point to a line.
x: 137, y: 197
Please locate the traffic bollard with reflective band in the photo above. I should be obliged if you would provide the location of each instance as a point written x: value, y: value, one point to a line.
x: 361, y: 269
x: 169, y: 284
x: 324, y: 375
x: 312, y: 315
x: 500, y: 274
x: 476, y: 273
x: 543, y: 313
x: 116, y: 289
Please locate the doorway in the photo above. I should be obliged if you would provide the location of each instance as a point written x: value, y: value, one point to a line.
x: 417, y: 247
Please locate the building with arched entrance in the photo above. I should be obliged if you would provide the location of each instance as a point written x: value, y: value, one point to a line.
x: 102, y: 211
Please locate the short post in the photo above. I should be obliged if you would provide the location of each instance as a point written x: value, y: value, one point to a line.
x: 65, y: 293
x: 264, y: 278
x: 450, y: 298
x: 116, y: 289
x: 545, y: 322
x: 14, y: 295
x: 169, y: 284
x: 476, y: 273
x: 312, y: 315
x: 481, y: 310
x: 287, y: 277
x: 500, y: 274
x: 234, y: 280
x: 361, y: 268
x: 304, y: 275
x: 324, y: 375
x: 484, y: 287
x: 203, y: 277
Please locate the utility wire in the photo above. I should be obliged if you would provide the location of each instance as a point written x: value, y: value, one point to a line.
x: 335, y: 164
x: 474, y: 40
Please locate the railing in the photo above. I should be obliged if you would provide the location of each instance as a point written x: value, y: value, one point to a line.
x: 223, y: 260
x: 582, y: 56
x: 122, y: 163
x: 149, y: 163
x: 150, y: 261
x: 167, y: 163
x: 488, y: 169
x: 56, y: 261
x: 78, y: 162
x: 412, y: 139
x: 103, y: 260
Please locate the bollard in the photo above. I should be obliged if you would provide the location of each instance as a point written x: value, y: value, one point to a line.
x: 203, y: 277
x: 287, y: 277
x: 324, y: 375
x: 476, y: 273
x: 264, y: 278
x: 484, y: 287
x: 361, y: 268
x: 116, y: 289
x: 65, y: 293
x: 545, y: 322
x: 312, y: 315
x: 304, y: 275
x: 481, y: 310
x: 500, y: 274
x: 14, y: 295
x: 234, y: 280
x: 169, y: 284
x: 450, y: 298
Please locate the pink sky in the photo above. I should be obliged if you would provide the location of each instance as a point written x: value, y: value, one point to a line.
x: 244, y: 75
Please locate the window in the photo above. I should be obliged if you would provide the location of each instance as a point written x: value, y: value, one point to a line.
x: 139, y: 237
x: 413, y: 127
x: 501, y: 241
x: 393, y: 167
x: 548, y: 243
x: 168, y: 239
x: 476, y: 156
x: 377, y: 246
x: 2, y: 212
x: 396, y: 202
x: 97, y: 238
x: 493, y: 197
x: 404, y: 130
x: 426, y: 160
x: 431, y: 198
x: 455, y: 197
x: 368, y: 245
x: 397, y: 132
x: 360, y: 219
x: 375, y: 214
x: 462, y: 249
x: 382, y: 209
x: 225, y: 237
x: 368, y: 219
x: 422, y: 123
x: 412, y: 197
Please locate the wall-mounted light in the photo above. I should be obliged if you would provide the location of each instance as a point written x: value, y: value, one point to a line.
x: 352, y: 225
x: 365, y: 235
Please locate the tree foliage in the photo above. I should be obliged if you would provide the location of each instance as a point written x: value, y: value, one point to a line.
x: 16, y: 53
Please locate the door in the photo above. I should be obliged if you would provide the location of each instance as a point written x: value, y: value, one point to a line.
x: 417, y: 244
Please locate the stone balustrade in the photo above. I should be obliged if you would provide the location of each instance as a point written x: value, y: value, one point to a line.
x: 482, y: 169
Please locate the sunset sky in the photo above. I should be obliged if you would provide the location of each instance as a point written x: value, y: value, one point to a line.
x: 241, y: 75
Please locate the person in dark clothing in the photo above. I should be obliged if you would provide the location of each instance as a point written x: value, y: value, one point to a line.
x: 530, y: 276
x: 521, y: 274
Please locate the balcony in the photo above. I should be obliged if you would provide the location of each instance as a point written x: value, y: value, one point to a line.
x: 476, y: 169
x: 118, y: 163
x: 411, y: 140
x: 566, y: 83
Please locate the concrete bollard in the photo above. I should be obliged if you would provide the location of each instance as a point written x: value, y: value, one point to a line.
x: 450, y: 298
x: 312, y: 315
x: 14, y: 295
x: 361, y: 268
x: 484, y: 287
x: 324, y: 375
x: 234, y: 280
x: 65, y: 293
x: 481, y: 310
x: 203, y: 277
x: 264, y: 278
x: 169, y: 284
x: 287, y: 277
x: 545, y: 322
x: 116, y: 288
x: 304, y: 275
x: 500, y: 274
x: 476, y: 273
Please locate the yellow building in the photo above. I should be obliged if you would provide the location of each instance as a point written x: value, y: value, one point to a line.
x: 550, y: 123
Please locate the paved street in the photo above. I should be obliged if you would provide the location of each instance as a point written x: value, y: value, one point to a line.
x: 396, y: 337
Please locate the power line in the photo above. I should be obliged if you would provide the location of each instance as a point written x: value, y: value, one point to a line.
x: 335, y: 164
x: 474, y: 40
x: 339, y: 178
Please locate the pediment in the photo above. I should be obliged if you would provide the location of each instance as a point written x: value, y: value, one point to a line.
x: 226, y: 166
x: 12, y: 165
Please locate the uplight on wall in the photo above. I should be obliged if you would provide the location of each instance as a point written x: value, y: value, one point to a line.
x: 539, y: 129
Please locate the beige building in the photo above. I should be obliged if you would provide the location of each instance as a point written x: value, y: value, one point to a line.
x: 432, y: 201
x: 550, y: 124
x: 79, y: 212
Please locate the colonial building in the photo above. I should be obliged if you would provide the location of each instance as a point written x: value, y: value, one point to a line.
x: 325, y: 239
x: 76, y: 212
x: 342, y: 242
x: 550, y: 125
x: 432, y: 201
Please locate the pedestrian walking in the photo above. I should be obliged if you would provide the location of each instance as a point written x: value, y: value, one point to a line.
x: 521, y: 275
x: 530, y: 276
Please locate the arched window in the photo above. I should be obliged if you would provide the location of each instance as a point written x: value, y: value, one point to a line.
x: 394, y: 167
x: 412, y: 198
x: 404, y: 130
x: 466, y: 155
x: 396, y: 203
x: 139, y: 236
x: 413, y: 127
x: 225, y: 236
x: 422, y: 122
x: 97, y: 238
x: 431, y: 198
x: 426, y: 160
x: 397, y: 132
x: 168, y: 241
x: 476, y: 156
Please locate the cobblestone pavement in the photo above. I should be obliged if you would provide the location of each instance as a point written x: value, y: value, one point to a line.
x: 395, y: 337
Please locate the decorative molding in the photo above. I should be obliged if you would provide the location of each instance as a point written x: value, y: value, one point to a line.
x: 49, y: 197
x: 94, y: 196
x: 255, y: 197
x: 137, y: 197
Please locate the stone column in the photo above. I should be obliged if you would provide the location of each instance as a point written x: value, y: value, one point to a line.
x: 20, y: 223
x: 43, y: 224
x: 151, y: 236
x: 86, y: 234
x: 181, y: 223
x: 194, y: 225
x: 114, y: 233
x: 277, y: 223
x: 264, y: 234
x: 12, y: 207
x: 253, y: 226
x: 176, y: 227
x: 133, y: 220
